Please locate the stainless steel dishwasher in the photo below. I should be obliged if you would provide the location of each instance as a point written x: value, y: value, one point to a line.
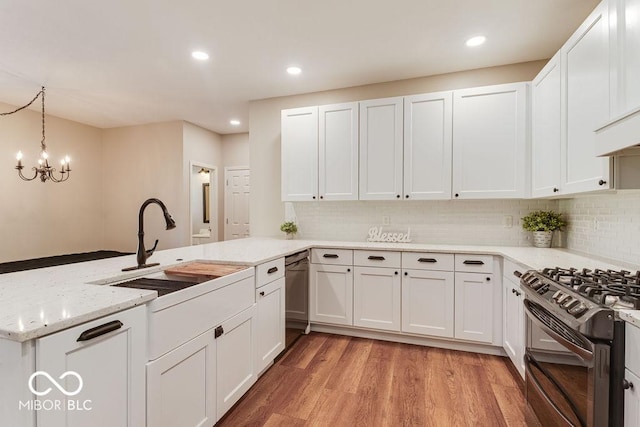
x: 297, y: 296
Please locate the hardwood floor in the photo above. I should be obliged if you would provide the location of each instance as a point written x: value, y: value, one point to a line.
x: 332, y: 380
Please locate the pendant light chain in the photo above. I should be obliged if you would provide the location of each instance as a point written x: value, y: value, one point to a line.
x: 44, y: 146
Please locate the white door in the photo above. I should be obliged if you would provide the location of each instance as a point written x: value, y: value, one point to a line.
x: 338, y: 152
x: 235, y: 358
x: 428, y: 302
x: 631, y: 400
x: 376, y: 298
x: 299, y: 139
x: 236, y: 203
x: 381, y: 149
x: 546, y: 130
x: 427, y: 146
x: 109, y: 354
x: 474, y: 307
x: 585, y: 61
x: 490, y: 142
x: 331, y: 299
x: 513, y: 324
x: 181, y: 385
x: 271, y: 317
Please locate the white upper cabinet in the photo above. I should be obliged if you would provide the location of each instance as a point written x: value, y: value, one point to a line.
x: 381, y: 149
x: 490, y: 142
x: 628, y: 55
x: 427, y: 146
x: 546, y: 130
x: 299, y: 140
x: 338, y: 152
x: 586, y: 87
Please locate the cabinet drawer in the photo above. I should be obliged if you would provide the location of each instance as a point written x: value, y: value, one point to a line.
x: 376, y: 259
x: 269, y: 271
x: 510, y: 267
x: 427, y: 261
x: 332, y: 256
x: 474, y: 263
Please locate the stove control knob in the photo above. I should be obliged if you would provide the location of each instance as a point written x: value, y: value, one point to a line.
x: 557, y: 295
x: 569, y: 304
x: 578, y: 310
x: 563, y: 298
x: 543, y: 289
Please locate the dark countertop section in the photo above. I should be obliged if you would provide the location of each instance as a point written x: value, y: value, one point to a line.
x: 51, y: 261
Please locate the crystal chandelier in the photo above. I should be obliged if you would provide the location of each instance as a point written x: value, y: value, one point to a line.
x: 43, y: 170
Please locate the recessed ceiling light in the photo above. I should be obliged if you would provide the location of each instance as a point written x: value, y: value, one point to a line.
x: 202, y: 56
x: 476, y: 41
x: 294, y: 70
x: 234, y: 122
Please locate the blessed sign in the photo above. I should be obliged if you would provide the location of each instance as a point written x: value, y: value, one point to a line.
x: 377, y: 235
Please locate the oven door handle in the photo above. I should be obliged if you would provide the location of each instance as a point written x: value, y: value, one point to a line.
x: 582, y: 353
x: 529, y: 360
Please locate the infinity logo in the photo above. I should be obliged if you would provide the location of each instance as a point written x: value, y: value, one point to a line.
x: 55, y: 383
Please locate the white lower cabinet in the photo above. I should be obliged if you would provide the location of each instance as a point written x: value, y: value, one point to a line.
x: 270, y: 300
x: 631, y: 400
x: 474, y: 307
x: 376, y: 295
x: 331, y: 289
x: 514, y: 331
x: 181, y: 385
x: 235, y: 358
x: 106, y: 358
x: 428, y: 302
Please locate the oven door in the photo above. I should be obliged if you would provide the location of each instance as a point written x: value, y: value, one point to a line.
x: 561, y: 387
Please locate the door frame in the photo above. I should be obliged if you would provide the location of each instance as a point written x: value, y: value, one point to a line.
x: 213, y: 199
x: 228, y: 169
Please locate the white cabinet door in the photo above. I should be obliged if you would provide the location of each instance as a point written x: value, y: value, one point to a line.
x: 474, y: 307
x: 331, y: 299
x: 513, y: 329
x: 299, y: 140
x: 381, y: 149
x: 181, y: 385
x: 631, y: 400
x: 376, y: 298
x: 546, y: 130
x: 427, y: 146
x: 490, y: 142
x: 271, y: 317
x: 235, y: 359
x: 338, y: 152
x: 628, y: 63
x: 586, y: 86
x: 428, y: 302
x: 109, y: 354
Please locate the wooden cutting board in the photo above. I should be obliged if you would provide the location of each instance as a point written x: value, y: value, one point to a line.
x: 199, y: 269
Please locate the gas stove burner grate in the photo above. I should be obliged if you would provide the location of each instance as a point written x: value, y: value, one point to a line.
x: 606, y: 287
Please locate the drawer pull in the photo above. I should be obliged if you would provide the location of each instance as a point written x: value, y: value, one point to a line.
x: 427, y: 260
x: 376, y: 258
x: 330, y: 256
x: 92, y: 333
x: 261, y: 293
x: 627, y: 385
x: 272, y: 270
x: 218, y: 332
x: 473, y: 262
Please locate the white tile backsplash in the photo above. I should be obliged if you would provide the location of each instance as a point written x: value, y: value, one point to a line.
x: 606, y: 225
x: 446, y: 221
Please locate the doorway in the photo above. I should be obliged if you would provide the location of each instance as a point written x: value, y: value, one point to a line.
x: 236, y: 202
x: 203, y: 203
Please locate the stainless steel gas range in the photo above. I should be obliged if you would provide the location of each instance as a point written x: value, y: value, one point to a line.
x: 579, y: 380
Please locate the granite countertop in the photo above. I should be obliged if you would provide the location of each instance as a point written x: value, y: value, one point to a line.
x: 38, y: 302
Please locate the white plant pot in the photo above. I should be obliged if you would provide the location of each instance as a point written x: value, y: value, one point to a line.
x: 542, y: 239
x: 289, y: 236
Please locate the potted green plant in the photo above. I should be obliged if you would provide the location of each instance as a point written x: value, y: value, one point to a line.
x: 290, y: 228
x: 543, y: 224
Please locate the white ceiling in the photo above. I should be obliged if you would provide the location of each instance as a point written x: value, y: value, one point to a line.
x: 123, y: 62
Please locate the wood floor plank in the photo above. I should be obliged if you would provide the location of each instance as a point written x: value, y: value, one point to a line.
x: 335, y: 381
x: 349, y: 370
